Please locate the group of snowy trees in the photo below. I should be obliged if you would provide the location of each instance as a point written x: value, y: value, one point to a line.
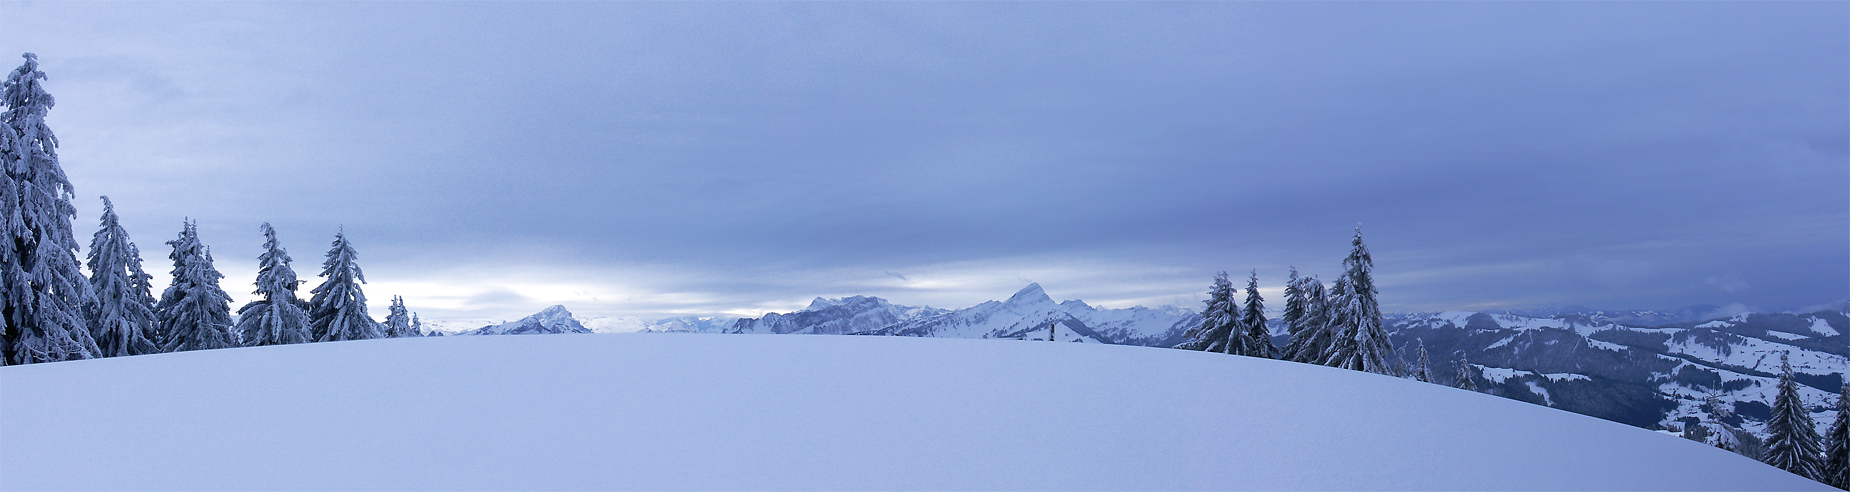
x: 52, y: 312
x: 1339, y: 326
x: 1342, y: 327
x: 1792, y: 442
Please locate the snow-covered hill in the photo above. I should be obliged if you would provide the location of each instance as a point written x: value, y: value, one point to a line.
x: 713, y: 412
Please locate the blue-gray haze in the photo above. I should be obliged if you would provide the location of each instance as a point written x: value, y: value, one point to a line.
x: 654, y: 159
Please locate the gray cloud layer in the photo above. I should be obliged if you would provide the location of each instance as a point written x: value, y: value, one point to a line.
x: 651, y: 158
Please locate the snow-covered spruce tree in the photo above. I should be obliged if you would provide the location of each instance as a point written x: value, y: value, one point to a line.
x: 200, y: 318
x: 121, y: 315
x: 1423, y: 371
x: 1220, y: 319
x: 1464, y: 381
x: 338, y: 308
x: 1341, y: 339
x: 1258, y: 336
x: 11, y: 229
x: 1294, y: 304
x: 44, y: 290
x: 1310, y: 337
x: 185, y: 247
x: 1837, y: 444
x: 397, y: 320
x: 1792, y: 438
x: 1360, y: 343
x: 1313, y: 337
x: 417, y: 327
x: 1401, y: 368
x: 277, y: 316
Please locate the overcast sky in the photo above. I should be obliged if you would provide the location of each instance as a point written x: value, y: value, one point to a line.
x: 660, y: 159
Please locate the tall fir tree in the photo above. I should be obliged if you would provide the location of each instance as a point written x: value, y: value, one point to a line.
x: 1837, y: 444
x: 200, y: 318
x: 1792, y: 438
x: 1401, y: 367
x: 1465, y: 377
x: 1335, y: 326
x: 1423, y: 371
x: 1220, y: 320
x: 1258, y: 335
x: 338, y: 308
x: 121, y: 315
x: 1294, y: 304
x: 397, y: 320
x: 1313, y: 336
x: 184, y: 248
x: 1360, y: 343
x: 277, y: 316
x: 43, y: 292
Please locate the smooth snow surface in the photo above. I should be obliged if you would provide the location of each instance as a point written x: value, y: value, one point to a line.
x: 744, y: 412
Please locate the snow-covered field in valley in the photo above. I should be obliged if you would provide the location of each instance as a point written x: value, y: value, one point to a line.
x: 692, y: 411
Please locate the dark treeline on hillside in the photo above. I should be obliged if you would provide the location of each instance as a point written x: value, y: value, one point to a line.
x: 53, y: 312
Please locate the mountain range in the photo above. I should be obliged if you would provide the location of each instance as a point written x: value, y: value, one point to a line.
x: 1657, y: 370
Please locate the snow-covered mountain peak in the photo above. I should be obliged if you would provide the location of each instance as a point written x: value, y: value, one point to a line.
x: 554, y: 312
x: 1077, y: 305
x: 1028, y: 296
x: 555, y: 319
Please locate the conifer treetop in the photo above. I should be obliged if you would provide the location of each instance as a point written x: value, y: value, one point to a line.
x: 45, y: 291
x: 1258, y: 335
x: 1294, y: 303
x: 1220, y: 318
x: 1424, y: 371
x: 338, y: 308
x: 1837, y: 444
x: 276, y: 318
x: 200, y: 319
x: 1464, y: 375
x: 275, y: 279
x: 120, y: 316
x: 1792, y: 442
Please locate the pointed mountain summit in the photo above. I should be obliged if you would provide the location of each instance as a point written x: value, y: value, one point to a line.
x: 1032, y: 295
x: 548, y: 321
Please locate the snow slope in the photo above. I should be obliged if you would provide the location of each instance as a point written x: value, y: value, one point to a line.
x: 742, y: 412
